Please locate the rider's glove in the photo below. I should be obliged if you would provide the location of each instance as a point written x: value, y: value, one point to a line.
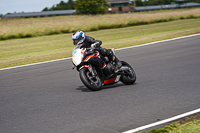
x: 94, y: 45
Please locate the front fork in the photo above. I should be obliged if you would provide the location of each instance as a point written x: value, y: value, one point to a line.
x: 93, y: 71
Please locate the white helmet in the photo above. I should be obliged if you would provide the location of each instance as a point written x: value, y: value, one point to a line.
x: 78, y: 37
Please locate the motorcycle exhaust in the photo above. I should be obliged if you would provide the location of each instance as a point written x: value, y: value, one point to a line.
x: 123, y: 68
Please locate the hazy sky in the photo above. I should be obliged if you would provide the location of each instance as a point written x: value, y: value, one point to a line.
x: 11, y: 6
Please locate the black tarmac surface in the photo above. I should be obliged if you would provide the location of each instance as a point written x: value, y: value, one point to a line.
x: 50, y: 98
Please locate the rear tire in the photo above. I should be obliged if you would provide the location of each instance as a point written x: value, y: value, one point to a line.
x: 129, y: 76
x: 92, y: 83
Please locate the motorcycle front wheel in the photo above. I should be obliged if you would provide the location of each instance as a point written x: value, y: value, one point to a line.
x: 91, y: 82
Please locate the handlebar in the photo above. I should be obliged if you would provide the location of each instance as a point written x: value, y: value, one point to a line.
x: 91, y: 49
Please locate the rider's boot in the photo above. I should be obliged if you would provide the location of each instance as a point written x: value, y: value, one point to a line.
x: 118, y: 63
x: 113, y: 58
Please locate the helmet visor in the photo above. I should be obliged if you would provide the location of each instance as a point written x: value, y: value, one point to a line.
x: 76, y: 41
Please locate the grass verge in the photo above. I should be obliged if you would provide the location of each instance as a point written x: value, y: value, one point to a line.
x: 26, y: 28
x: 190, y: 124
x: 190, y: 127
x: 31, y: 50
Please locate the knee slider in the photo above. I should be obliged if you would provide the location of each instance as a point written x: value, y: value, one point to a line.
x: 103, y: 52
x: 110, y: 52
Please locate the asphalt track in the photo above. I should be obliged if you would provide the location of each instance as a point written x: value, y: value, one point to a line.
x: 50, y: 98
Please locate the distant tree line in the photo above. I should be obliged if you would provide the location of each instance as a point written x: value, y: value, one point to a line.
x: 81, y: 6
x: 91, y: 6
x: 100, y: 6
x: 61, y: 6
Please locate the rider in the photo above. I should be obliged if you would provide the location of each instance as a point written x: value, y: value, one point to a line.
x: 79, y: 38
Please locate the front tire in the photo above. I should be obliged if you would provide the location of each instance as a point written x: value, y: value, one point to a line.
x: 129, y: 76
x: 92, y: 83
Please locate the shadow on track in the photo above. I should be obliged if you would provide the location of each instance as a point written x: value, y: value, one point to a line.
x: 85, y: 89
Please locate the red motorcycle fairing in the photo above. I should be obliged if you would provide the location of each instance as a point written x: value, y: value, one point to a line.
x: 112, y: 80
x: 90, y: 56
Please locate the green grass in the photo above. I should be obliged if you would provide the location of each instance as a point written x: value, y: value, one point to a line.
x: 31, y: 50
x: 33, y: 27
x: 190, y: 127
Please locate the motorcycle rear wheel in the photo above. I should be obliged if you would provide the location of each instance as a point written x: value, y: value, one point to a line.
x: 92, y: 83
x: 129, y: 76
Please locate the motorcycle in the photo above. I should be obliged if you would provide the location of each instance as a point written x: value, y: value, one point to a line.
x: 92, y: 76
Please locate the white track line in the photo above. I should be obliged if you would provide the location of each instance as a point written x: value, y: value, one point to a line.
x: 163, y: 121
x: 116, y: 49
x: 35, y: 64
x: 159, y: 41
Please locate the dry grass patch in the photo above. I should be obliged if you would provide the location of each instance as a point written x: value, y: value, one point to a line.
x: 23, y: 28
